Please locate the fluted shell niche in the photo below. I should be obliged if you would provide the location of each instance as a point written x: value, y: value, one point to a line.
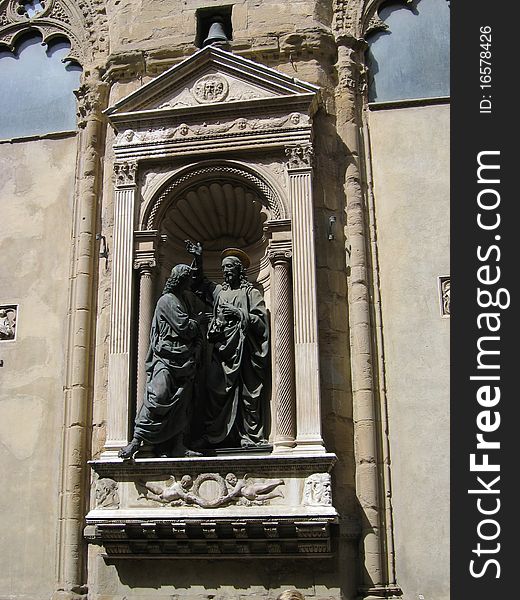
x: 219, y: 214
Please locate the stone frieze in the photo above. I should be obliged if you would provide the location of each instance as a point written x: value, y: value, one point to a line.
x: 211, y: 490
x: 184, y: 131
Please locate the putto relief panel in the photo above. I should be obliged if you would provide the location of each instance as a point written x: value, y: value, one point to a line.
x: 8, y: 318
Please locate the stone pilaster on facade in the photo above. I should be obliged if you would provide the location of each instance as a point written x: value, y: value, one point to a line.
x: 280, y: 255
x: 307, y: 378
x: 119, y: 375
x: 376, y: 538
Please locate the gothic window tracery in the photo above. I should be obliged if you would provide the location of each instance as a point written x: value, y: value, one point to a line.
x: 408, y: 55
x: 36, y: 94
x: 31, y: 8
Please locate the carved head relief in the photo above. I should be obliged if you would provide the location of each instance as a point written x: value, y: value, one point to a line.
x: 128, y: 135
x: 295, y: 118
x: 317, y: 490
x: 106, y: 493
x: 210, y: 88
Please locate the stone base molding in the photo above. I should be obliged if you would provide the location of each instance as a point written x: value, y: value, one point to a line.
x: 250, y: 538
x: 250, y: 506
x: 376, y: 593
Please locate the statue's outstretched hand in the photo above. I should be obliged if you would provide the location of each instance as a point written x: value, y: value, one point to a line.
x: 194, y: 248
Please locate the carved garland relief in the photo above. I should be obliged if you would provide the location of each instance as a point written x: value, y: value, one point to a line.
x: 211, y: 490
x: 184, y: 131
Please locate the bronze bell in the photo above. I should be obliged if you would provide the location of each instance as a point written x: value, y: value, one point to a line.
x: 216, y: 33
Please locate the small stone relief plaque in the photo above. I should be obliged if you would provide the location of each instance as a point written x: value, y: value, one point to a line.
x: 210, y: 88
x: 107, y: 495
x: 444, y: 295
x: 317, y: 490
x: 8, y: 316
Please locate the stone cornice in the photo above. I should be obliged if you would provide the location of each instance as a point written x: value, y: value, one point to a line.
x: 306, y: 103
x: 178, y: 76
x: 269, y: 49
x: 292, y: 462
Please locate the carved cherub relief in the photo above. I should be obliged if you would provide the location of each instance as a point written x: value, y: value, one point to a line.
x: 231, y: 490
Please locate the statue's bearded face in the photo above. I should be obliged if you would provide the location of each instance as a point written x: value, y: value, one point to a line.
x: 231, y: 269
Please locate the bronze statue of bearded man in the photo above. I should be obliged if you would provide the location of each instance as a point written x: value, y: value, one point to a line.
x: 237, y: 377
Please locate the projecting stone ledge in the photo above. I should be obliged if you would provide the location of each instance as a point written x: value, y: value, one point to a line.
x: 247, y: 538
x: 226, y: 506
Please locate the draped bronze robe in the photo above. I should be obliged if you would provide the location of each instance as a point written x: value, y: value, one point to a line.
x: 171, y: 365
x: 239, y: 371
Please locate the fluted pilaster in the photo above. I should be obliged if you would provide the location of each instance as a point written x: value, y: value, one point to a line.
x: 121, y: 308
x: 308, y: 411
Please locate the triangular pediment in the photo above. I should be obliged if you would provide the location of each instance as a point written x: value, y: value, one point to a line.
x: 209, y: 78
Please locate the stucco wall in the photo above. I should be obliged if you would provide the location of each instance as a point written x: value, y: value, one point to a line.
x: 410, y: 149
x: 36, y: 193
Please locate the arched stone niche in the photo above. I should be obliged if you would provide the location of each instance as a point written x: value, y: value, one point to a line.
x: 218, y: 150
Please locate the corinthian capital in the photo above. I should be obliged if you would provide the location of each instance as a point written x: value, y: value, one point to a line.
x: 92, y: 99
x: 299, y: 157
x: 125, y: 173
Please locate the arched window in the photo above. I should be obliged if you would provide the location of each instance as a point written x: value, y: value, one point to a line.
x: 36, y: 88
x: 411, y: 58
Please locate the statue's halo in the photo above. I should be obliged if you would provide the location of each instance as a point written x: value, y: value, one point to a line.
x: 237, y: 253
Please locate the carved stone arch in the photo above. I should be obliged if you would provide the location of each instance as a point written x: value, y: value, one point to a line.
x: 370, y: 19
x: 358, y: 19
x: 223, y: 169
x: 84, y: 24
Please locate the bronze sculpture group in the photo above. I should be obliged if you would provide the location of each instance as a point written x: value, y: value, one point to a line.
x: 209, y: 349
